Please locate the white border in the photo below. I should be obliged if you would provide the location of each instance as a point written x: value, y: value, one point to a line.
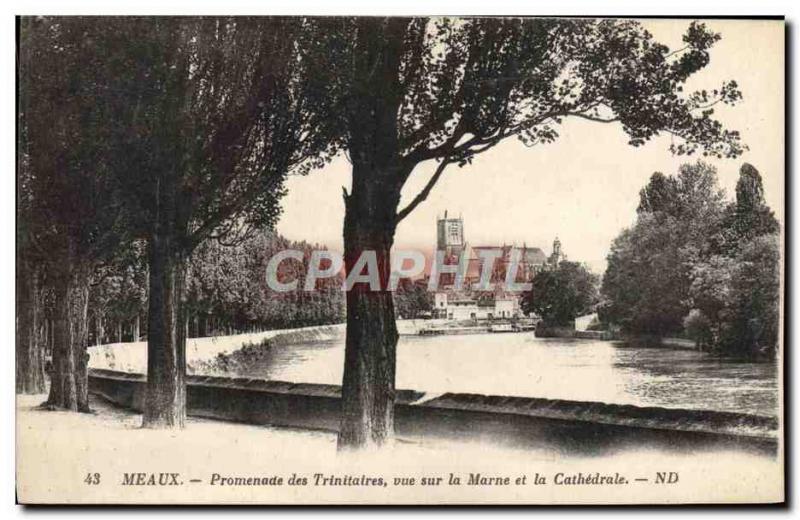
x: 790, y: 9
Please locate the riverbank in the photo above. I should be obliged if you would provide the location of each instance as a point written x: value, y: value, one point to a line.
x: 61, y: 448
x: 132, y: 356
x: 543, y: 331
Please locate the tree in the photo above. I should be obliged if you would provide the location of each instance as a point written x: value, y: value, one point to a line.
x: 648, y: 280
x: 737, y: 289
x: 737, y: 300
x: 749, y: 216
x: 406, y: 91
x: 118, y: 296
x: 70, y: 218
x: 209, y: 116
x: 29, y: 352
x: 660, y: 194
x: 227, y: 289
x: 699, y: 328
x: 754, y: 329
x: 561, y: 295
x: 710, y: 295
x: 412, y: 299
x: 217, y: 114
x: 692, y: 263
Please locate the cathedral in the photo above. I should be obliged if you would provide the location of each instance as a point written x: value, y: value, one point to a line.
x: 471, y: 301
x: 450, y: 239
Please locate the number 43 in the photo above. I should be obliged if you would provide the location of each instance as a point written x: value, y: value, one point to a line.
x: 92, y: 479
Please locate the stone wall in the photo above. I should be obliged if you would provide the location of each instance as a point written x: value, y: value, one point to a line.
x: 563, y: 426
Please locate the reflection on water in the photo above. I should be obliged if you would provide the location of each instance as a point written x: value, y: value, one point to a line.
x: 523, y: 365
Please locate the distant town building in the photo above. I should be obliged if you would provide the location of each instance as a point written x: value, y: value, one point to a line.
x: 471, y: 301
x: 531, y: 261
x: 462, y: 307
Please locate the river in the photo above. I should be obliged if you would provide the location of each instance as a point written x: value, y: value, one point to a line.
x: 523, y: 365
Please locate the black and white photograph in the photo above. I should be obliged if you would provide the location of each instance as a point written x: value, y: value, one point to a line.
x: 399, y: 260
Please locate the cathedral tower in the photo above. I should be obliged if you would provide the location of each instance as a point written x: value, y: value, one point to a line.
x: 450, y: 235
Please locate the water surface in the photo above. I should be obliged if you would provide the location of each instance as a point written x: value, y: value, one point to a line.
x: 523, y: 365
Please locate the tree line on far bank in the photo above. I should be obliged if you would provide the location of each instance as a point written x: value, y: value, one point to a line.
x: 175, y: 131
x: 560, y: 295
x: 697, y: 266
x: 226, y: 293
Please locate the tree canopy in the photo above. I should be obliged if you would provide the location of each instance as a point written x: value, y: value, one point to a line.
x: 696, y: 265
x: 457, y: 87
x: 560, y: 295
x: 400, y: 92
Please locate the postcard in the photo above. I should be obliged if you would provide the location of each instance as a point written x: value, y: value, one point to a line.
x: 381, y: 260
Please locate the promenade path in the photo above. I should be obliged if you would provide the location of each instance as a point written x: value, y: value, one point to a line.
x: 61, y: 448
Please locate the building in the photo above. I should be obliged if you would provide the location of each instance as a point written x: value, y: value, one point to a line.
x: 459, y: 307
x: 531, y: 261
x: 507, y: 308
x: 472, y: 301
x: 450, y: 238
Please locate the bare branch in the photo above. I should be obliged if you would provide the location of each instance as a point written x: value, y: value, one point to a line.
x: 677, y: 51
x: 422, y: 195
x: 593, y: 118
x: 423, y: 153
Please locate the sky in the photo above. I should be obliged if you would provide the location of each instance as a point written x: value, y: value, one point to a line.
x: 584, y: 187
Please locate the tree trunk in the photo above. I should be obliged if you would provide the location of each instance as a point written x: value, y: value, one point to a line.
x: 30, y: 375
x: 51, y: 336
x: 202, y: 318
x: 368, y: 384
x: 99, y: 331
x: 44, y: 333
x: 370, y: 220
x: 69, y: 388
x: 165, y: 402
x: 119, y: 331
x: 136, y: 329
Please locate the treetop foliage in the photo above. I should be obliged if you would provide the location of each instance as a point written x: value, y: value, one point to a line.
x: 463, y: 84
x: 214, y: 109
x: 696, y: 264
x: 560, y: 295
